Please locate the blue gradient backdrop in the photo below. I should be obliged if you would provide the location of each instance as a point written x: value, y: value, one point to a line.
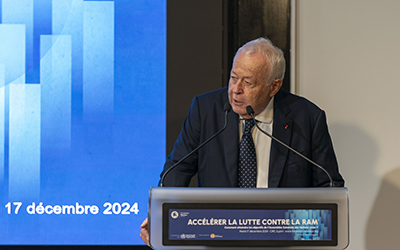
x: 82, y: 117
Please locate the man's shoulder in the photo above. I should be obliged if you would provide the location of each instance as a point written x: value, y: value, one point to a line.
x: 215, y: 98
x: 295, y: 102
x: 211, y: 101
x: 215, y: 94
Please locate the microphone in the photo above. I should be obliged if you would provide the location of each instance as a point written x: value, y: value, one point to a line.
x: 250, y: 111
x: 227, y: 108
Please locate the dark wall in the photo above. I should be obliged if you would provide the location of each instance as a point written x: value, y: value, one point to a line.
x: 194, y: 56
x: 260, y: 18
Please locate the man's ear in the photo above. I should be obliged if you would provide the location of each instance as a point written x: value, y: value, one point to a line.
x: 275, y: 87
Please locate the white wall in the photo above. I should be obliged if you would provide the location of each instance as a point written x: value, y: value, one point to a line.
x: 348, y: 64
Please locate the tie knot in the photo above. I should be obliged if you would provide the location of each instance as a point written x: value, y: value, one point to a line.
x: 249, y: 124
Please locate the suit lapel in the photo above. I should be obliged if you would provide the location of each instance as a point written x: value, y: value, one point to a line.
x: 231, y: 152
x: 282, y: 130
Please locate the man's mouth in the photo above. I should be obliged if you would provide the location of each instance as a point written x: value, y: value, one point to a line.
x: 236, y: 102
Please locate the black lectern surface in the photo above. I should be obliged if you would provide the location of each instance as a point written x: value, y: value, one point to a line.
x: 236, y: 218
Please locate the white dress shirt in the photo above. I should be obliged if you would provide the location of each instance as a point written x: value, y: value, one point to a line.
x: 262, y: 142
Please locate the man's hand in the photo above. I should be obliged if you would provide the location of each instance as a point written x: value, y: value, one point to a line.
x: 144, y: 232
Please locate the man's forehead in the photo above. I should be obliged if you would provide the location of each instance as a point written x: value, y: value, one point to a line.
x: 243, y: 74
x: 249, y: 66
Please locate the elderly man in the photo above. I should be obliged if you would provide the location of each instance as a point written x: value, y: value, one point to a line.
x: 241, y: 156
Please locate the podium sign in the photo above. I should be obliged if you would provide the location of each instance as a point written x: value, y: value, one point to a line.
x: 208, y: 218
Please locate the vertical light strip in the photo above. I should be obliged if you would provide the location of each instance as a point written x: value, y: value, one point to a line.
x: 24, y: 141
x: 67, y: 19
x: 98, y: 59
x: 55, y: 75
x: 2, y: 123
x: 21, y: 12
x: 12, y: 52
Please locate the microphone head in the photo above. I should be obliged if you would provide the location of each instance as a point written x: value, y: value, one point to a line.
x: 250, y: 110
x: 227, y: 107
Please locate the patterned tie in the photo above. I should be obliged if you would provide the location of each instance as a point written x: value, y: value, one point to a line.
x: 247, y: 158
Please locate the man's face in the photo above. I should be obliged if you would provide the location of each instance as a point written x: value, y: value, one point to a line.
x: 248, y: 84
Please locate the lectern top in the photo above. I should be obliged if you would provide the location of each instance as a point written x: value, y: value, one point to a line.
x: 214, y: 218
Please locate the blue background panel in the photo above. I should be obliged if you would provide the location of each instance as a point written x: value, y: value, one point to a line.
x: 83, y: 119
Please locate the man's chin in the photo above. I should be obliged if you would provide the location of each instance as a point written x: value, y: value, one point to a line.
x: 241, y: 111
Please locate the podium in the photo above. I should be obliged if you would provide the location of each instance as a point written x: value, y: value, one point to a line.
x: 239, y: 218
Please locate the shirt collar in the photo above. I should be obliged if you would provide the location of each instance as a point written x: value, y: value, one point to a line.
x: 267, y: 115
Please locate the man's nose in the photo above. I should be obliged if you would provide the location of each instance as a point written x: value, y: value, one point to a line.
x: 238, y: 88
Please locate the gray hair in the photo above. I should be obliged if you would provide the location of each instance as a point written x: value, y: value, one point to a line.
x: 273, y: 55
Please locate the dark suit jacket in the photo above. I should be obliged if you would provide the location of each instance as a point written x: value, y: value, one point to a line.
x: 297, y: 122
